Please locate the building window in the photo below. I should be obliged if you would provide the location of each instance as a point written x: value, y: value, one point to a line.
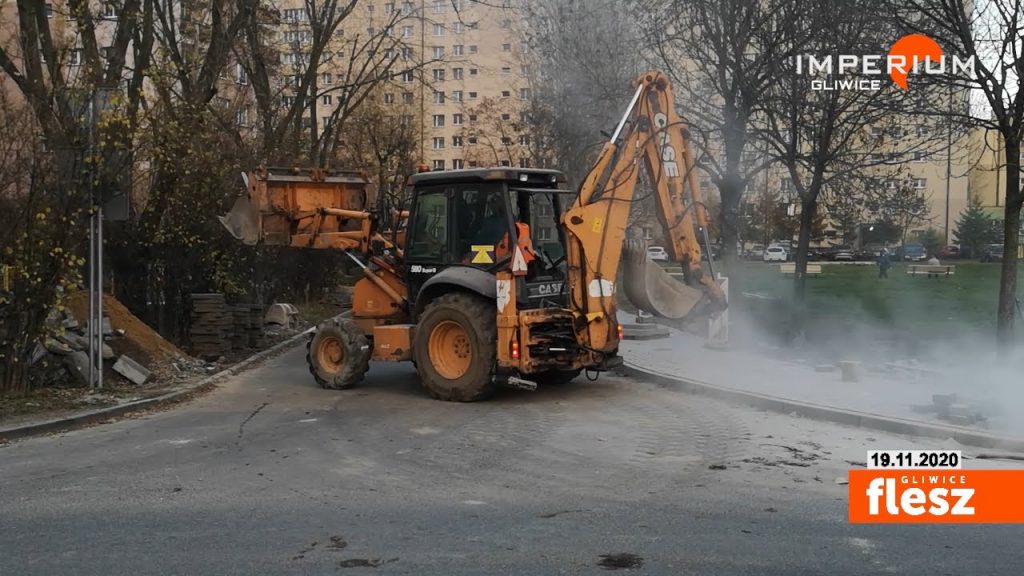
x: 407, y: 8
x: 456, y: 95
x: 472, y: 118
x: 326, y: 100
x: 438, y: 52
x: 438, y: 29
x: 471, y: 139
x: 456, y: 141
x: 544, y: 232
x: 524, y: 46
x: 240, y: 76
x: 920, y: 156
x: 389, y: 98
x: 524, y: 70
x: 890, y: 184
x: 389, y: 7
x: 107, y: 52
x: 472, y: 49
x: 877, y: 131
x: 506, y: 24
x: 472, y: 96
x: 406, y: 53
x: 524, y: 117
x: 458, y: 28
x: 405, y: 120
x: 294, y: 15
x: 438, y: 164
x: 369, y: 8
x: 457, y: 73
x: 457, y: 50
x: 439, y: 74
x: 406, y: 31
x: 505, y: 94
x: 407, y: 76
x: 48, y: 8
x: 923, y: 130
x: 785, y: 184
x: 438, y: 143
x: 458, y: 164
x: 920, y: 183
x: 506, y: 141
x: 325, y: 122
x: 75, y: 57
x: 438, y: 120
x: 473, y: 72
x: 472, y: 163
x: 524, y: 93
x: 407, y: 98
x: 506, y: 47
x: 438, y: 6
x: 456, y: 119
x: 505, y: 163
x: 524, y: 140
x: 506, y: 116
x: 438, y: 97
x: 506, y: 69
x: 242, y: 117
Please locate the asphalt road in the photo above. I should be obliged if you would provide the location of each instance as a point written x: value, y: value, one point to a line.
x: 271, y: 475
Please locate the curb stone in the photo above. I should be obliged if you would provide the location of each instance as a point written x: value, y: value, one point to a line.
x: 65, y: 424
x: 965, y: 436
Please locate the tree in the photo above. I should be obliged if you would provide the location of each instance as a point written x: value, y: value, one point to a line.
x: 722, y: 57
x: 974, y: 229
x: 822, y: 136
x: 991, y: 34
x: 383, y: 136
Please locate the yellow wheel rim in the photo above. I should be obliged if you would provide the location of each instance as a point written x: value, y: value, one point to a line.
x: 450, y: 350
x: 330, y: 355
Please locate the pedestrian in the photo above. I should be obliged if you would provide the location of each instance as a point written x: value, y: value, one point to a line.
x: 883, y: 264
x: 933, y: 261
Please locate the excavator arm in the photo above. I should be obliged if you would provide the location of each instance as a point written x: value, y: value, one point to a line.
x: 649, y: 137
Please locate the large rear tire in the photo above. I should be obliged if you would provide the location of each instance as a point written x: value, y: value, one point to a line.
x: 455, y: 349
x: 338, y: 354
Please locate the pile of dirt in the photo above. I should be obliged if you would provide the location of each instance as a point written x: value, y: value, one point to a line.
x: 139, y: 341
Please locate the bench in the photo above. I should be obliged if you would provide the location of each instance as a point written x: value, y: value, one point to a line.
x: 930, y: 270
x: 790, y: 268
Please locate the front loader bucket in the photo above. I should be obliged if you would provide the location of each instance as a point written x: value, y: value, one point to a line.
x: 650, y: 288
x: 243, y: 221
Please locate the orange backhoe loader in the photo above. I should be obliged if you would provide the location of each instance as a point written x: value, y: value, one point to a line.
x: 453, y: 285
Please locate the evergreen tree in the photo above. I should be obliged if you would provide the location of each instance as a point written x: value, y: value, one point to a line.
x: 974, y: 229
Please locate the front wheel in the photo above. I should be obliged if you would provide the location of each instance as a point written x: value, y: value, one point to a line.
x: 455, y: 347
x: 338, y: 354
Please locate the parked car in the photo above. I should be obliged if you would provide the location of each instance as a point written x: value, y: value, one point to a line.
x: 657, y: 253
x: 775, y: 254
x: 912, y: 253
x: 992, y: 253
x: 951, y: 251
x: 756, y: 252
x: 842, y: 254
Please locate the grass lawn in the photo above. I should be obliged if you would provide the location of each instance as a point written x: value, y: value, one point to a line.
x: 850, y: 300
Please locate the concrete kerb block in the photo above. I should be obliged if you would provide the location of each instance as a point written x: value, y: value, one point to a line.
x: 136, y: 373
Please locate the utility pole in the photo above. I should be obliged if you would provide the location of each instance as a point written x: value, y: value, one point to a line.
x: 949, y: 161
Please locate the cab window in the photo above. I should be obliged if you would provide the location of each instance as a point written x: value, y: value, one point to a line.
x: 429, y: 242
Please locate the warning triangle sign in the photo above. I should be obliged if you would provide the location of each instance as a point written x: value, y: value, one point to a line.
x: 518, y: 263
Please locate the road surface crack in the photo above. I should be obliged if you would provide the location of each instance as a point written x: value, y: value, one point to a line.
x: 241, y: 427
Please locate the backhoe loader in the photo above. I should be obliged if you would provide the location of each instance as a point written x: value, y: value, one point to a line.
x: 497, y: 276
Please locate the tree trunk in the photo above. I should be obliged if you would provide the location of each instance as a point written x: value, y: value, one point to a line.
x: 808, y: 209
x: 731, y: 191
x: 1011, y: 239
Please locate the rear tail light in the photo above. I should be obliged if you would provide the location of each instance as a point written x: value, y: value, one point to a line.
x: 515, y: 350
x: 618, y: 329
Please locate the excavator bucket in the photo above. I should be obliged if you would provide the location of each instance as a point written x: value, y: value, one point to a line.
x: 243, y: 221
x: 650, y: 288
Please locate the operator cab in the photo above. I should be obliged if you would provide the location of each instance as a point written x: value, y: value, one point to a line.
x: 474, y: 218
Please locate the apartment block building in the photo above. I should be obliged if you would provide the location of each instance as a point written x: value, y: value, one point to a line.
x: 459, y: 74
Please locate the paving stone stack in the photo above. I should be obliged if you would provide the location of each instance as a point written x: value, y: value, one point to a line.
x: 255, y: 331
x: 240, y: 318
x: 211, y: 326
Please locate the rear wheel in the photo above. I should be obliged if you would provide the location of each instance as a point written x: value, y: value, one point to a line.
x: 338, y: 354
x: 455, y: 347
x: 555, y: 377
